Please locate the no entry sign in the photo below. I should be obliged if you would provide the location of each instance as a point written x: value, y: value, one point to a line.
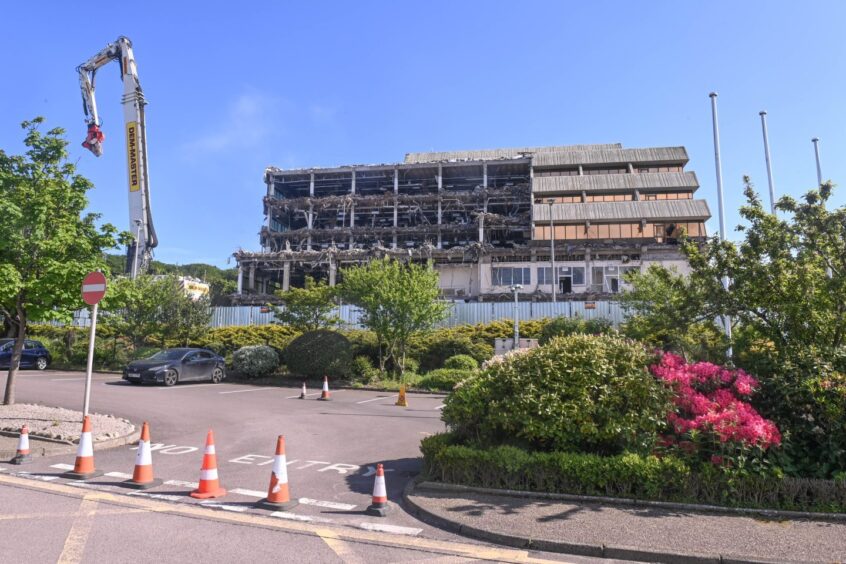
x: 93, y: 287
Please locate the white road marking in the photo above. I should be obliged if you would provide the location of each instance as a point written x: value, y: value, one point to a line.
x: 62, y: 466
x: 327, y: 504
x: 250, y: 493
x: 225, y: 507
x: 187, y: 387
x: 65, y: 379
x: 393, y: 529
x: 377, y: 399
x: 371, y: 471
x: 244, y: 391
x: 165, y: 497
x: 295, y: 517
x: 440, y: 407
x: 297, y: 396
x: 38, y: 477
x: 120, y: 475
x: 182, y: 483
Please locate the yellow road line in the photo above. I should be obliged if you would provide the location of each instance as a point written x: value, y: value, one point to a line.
x: 78, y: 535
x: 339, y: 547
x: 65, y: 515
x: 454, y: 548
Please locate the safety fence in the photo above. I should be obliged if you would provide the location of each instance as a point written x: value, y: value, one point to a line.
x: 460, y: 314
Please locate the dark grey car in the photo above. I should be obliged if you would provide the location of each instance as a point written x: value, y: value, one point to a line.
x: 176, y: 365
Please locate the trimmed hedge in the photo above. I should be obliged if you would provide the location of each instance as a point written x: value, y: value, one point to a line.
x: 625, y: 475
x: 255, y: 361
x: 319, y: 353
x: 444, y: 379
x: 461, y: 362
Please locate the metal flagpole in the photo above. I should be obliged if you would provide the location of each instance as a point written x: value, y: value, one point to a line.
x: 816, y: 142
x: 713, y: 96
x: 763, y: 115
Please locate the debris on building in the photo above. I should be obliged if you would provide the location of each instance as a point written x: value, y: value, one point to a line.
x: 486, y: 219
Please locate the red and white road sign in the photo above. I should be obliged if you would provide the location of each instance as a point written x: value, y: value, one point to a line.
x: 93, y: 287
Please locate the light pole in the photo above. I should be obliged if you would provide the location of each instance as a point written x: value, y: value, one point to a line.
x: 552, y: 249
x: 516, y: 288
x: 137, y: 246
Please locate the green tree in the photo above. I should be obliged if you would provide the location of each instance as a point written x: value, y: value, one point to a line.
x: 154, y: 305
x: 671, y: 311
x: 47, y: 245
x: 309, y: 308
x: 397, y: 300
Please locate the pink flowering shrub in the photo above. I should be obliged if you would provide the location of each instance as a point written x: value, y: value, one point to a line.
x: 713, y: 418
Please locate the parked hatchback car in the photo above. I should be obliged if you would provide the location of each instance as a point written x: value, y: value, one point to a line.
x: 34, y: 354
x: 170, y: 366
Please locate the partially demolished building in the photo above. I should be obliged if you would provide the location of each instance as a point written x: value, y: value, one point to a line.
x: 486, y: 219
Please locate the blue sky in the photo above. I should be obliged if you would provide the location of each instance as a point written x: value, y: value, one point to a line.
x: 235, y: 87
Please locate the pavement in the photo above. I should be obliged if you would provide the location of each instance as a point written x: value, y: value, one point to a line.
x: 630, y: 532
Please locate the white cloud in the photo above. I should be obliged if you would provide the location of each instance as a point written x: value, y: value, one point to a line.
x: 246, y: 125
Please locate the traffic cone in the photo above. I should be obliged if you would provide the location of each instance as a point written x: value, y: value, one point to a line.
x: 401, y: 401
x: 379, y: 505
x: 209, y: 485
x: 303, y: 393
x: 22, y: 455
x: 325, y: 395
x: 142, y: 477
x: 84, y: 466
x: 278, y: 496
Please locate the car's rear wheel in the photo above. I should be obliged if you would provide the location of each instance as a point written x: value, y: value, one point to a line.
x: 171, y: 378
x: 41, y: 363
x: 217, y: 375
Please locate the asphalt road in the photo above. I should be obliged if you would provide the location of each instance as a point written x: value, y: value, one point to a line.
x: 332, y: 450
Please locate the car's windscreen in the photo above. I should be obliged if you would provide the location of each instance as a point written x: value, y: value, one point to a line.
x: 167, y: 355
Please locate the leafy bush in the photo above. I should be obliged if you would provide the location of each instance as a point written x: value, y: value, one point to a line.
x: 627, y: 475
x: 433, y: 348
x: 319, y: 353
x: 363, y: 343
x: 229, y: 339
x: 363, y: 370
x: 713, y: 420
x: 461, y: 362
x: 444, y: 379
x: 411, y: 365
x: 255, y: 361
x: 564, y: 326
x: 588, y: 393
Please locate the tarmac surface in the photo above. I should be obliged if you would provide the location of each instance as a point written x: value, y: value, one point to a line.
x: 632, y: 532
x: 332, y: 450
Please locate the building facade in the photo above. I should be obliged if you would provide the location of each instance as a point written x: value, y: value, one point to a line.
x: 486, y: 219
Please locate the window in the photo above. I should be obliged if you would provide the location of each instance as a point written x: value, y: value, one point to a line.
x: 675, y: 168
x: 506, y: 276
x: 578, y: 275
x: 545, y: 275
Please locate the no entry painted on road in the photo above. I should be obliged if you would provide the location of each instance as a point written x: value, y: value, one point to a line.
x: 93, y: 287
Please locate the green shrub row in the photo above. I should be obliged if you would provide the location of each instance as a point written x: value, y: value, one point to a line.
x: 444, y: 379
x: 626, y: 475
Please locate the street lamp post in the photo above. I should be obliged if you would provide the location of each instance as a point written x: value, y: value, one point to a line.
x: 552, y: 249
x: 516, y: 288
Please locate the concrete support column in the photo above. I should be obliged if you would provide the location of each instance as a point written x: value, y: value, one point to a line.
x: 440, y: 189
x: 310, y: 218
x: 333, y: 271
x: 637, y: 195
x: 286, y: 276
x: 484, y: 175
x: 396, y: 211
x: 581, y: 171
x: 482, y: 229
x: 631, y: 168
x: 588, y: 273
x: 352, y: 210
x: 252, y: 283
x: 240, y: 279
x: 584, y: 196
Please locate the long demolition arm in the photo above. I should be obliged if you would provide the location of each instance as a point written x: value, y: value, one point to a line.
x: 140, y: 252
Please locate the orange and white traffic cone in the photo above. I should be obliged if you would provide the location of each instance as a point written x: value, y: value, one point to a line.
x: 142, y: 476
x: 22, y: 455
x: 209, y: 484
x: 303, y: 393
x: 84, y: 466
x: 278, y: 496
x: 379, y: 505
x: 325, y: 395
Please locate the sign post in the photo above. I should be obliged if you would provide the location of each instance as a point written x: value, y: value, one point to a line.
x: 93, y: 290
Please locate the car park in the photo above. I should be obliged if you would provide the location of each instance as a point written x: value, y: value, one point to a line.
x: 171, y: 366
x: 34, y: 354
